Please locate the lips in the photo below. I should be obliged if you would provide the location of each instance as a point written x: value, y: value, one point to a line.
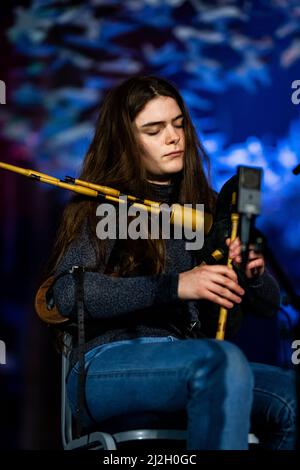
x: 174, y: 154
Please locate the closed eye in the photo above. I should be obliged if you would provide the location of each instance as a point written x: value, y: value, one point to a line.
x: 177, y: 126
x: 152, y: 133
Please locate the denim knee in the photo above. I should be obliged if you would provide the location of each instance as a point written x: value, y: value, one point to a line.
x: 237, y: 363
x: 223, y: 361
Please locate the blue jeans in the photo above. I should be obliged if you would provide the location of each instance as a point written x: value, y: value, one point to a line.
x: 206, y: 385
x: 274, y: 411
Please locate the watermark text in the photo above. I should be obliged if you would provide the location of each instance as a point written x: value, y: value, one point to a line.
x: 296, y: 353
x: 176, y: 221
x: 296, y: 94
x: 2, y: 352
x: 2, y: 92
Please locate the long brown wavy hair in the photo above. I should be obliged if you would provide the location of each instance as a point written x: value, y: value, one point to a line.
x: 113, y: 159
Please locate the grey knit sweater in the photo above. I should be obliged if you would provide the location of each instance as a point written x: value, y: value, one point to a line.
x: 148, y: 305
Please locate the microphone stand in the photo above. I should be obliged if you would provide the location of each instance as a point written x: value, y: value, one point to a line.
x: 245, y: 235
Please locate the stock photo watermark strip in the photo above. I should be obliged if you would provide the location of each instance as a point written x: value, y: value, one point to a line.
x: 2, y: 92
x: 296, y: 94
x: 2, y: 352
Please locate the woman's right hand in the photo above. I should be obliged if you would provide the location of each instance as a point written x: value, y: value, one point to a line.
x: 216, y: 283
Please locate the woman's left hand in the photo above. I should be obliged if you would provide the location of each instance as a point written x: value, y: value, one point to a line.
x: 256, y: 263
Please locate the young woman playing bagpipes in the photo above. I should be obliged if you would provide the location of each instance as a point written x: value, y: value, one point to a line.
x: 147, y: 355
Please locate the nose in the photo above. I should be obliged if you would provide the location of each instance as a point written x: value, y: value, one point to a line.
x: 172, y: 135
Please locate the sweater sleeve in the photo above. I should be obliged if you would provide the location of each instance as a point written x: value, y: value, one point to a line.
x: 262, y: 295
x: 106, y: 296
x: 262, y: 298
